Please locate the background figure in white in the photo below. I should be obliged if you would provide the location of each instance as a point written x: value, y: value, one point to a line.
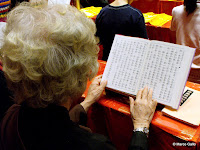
x: 2, y: 27
x: 59, y: 1
x: 186, y: 23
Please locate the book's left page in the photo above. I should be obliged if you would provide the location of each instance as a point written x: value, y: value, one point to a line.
x: 125, y: 63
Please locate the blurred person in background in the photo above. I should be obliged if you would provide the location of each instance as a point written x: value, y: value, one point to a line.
x: 95, y: 3
x: 119, y: 17
x: 186, y: 23
x: 4, y: 8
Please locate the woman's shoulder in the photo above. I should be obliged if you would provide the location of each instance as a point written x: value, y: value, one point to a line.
x: 198, y: 7
x: 56, y: 126
x: 178, y: 8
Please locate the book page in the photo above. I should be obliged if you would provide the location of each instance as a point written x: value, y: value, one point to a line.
x: 123, y: 67
x: 166, y: 71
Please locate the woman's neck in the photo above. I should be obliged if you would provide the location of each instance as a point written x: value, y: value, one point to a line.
x: 119, y: 2
x: 67, y: 104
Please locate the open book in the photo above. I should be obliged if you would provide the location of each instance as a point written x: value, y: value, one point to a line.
x: 188, y: 111
x: 134, y: 63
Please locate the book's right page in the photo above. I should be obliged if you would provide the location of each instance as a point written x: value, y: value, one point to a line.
x: 166, y: 70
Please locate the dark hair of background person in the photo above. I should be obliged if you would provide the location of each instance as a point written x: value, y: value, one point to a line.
x: 15, y: 2
x: 190, y: 6
x: 95, y: 3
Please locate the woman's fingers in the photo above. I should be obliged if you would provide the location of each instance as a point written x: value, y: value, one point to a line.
x: 154, y: 103
x: 145, y: 93
x: 103, y: 84
x: 97, y: 80
x: 149, y: 99
x: 99, y: 76
x: 139, y: 95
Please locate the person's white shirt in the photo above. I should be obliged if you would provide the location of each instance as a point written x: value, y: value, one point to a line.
x: 59, y: 1
x: 2, y: 27
x: 187, y: 28
x: 188, y: 33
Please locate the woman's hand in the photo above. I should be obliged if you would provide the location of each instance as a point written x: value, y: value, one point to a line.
x: 143, y: 108
x: 94, y: 92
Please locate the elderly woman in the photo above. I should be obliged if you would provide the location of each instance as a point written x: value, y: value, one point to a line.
x: 48, y: 55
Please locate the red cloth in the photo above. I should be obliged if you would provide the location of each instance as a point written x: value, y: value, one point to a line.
x: 161, y: 33
x: 167, y: 6
x: 146, y: 5
x: 100, y: 55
